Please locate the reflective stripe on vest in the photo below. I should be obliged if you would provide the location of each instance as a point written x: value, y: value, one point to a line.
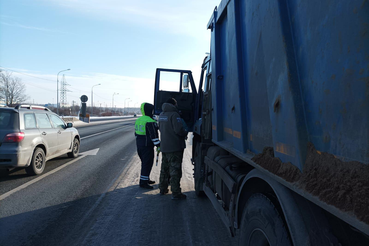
x: 140, y: 125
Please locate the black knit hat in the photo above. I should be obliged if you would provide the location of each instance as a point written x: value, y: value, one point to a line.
x: 172, y: 101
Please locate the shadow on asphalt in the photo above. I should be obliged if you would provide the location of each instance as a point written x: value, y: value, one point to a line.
x: 126, y: 216
x: 20, y: 173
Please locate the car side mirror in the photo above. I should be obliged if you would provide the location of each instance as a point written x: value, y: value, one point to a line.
x: 69, y: 125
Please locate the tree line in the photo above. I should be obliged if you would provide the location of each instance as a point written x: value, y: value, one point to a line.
x: 13, y: 92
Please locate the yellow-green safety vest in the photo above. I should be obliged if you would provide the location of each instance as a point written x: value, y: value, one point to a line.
x: 140, y: 125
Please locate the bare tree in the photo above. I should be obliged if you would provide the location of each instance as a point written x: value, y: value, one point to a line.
x: 3, y: 77
x: 12, y: 90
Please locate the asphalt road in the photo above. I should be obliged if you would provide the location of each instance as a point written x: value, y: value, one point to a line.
x: 94, y: 199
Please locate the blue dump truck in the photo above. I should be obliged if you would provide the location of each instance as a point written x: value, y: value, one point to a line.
x: 280, y: 120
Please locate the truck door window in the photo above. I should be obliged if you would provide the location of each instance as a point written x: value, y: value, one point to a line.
x: 174, y: 81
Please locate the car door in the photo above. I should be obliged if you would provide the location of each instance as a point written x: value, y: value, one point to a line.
x: 64, y: 134
x: 49, y: 134
x: 177, y: 84
x: 31, y: 132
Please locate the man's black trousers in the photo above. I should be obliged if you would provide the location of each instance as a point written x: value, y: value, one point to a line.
x: 146, y: 155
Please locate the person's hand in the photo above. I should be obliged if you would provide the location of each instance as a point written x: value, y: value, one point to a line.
x: 157, y: 150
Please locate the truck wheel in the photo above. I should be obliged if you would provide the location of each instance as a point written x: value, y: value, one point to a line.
x: 37, y: 163
x: 75, y: 149
x: 199, y: 179
x: 261, y: 224
x: 4, y: 172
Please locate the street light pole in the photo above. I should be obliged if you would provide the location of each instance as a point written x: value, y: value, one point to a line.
x: 125, y: 105
x: 112, y: 103
x: 57, y: 90
x: 128, y: 106
x: 136, y: 106
x: 92, y: 98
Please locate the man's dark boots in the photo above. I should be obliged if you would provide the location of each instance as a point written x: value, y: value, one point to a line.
x: 151, y: 182
x: 163, y: 192
x: 145, y: 185
x: 179, y: 196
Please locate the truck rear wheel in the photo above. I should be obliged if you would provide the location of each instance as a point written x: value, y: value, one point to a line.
x: 262, y: 224
x: 199, y: 170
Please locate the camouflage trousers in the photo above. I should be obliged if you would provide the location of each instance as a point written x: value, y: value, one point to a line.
x: 171, y: 167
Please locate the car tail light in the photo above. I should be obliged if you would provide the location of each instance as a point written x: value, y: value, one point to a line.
x: 14, y: 137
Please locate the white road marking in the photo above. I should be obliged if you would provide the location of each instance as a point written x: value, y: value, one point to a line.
x: 99, y: 133
x: 90, y: 152
x: 3, y: 196
x: 82, y: 155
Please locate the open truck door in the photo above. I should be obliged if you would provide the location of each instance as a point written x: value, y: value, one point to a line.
x: 179, y: 85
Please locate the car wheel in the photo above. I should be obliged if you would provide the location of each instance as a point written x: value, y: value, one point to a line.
x: 75, y: 149
x: 37, y: 163
x: 262, y: 224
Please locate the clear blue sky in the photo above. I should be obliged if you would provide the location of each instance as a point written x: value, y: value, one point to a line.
x: 117, y: 43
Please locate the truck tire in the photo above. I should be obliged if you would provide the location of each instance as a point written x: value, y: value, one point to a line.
x: 75, y: 149
x: 262, y: 224
x: 199, y: 170
x: 4, y: 172
x: 38, y: 162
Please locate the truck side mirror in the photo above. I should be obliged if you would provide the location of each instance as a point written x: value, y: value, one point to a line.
x: 185, y: 81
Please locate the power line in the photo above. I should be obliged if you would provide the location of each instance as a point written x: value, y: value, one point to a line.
x: 101, y: 97
x: 30, y: 84
x: 25, y: 74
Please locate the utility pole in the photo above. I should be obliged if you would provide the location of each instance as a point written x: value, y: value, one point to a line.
x: 57, y: 90
x: 92, y: 98
x: 73, y: 106
x: 63, y: 92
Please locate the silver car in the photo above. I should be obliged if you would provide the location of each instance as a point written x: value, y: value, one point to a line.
x: 31, y: 135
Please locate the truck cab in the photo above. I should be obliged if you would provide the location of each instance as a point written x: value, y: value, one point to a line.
x: 180, y: 85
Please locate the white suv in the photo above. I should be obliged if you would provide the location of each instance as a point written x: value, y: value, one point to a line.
x: 31, y: 135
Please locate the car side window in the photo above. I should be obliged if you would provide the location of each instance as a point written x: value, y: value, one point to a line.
x: 43, y: 121
x: 29, y: 121
x: 57, y: 122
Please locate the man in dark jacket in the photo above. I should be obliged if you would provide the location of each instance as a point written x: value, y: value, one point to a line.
x: 172, y: 134
x: 146, y: 132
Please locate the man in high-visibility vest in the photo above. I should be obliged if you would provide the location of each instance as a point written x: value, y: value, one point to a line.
x: 146, y: 132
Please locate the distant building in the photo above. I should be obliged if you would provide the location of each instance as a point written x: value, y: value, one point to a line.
x: 2, y: 103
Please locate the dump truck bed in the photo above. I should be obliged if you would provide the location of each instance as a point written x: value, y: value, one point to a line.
x: 291, y: 81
